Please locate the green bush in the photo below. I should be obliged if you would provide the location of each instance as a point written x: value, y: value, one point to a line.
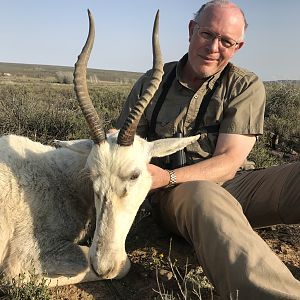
x: 283, y: 113
x: 262, y: 156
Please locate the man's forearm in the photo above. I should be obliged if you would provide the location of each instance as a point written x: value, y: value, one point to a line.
x: 230, y: 153
x: 219, y: 168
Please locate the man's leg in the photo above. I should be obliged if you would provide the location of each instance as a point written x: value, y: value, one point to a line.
x: 233, y: 256
x: 268, y: 196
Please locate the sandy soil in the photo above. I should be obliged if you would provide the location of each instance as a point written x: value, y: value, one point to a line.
x: 153, y: 259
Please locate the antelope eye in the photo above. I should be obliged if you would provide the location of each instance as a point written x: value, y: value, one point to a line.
x: 134, y: 175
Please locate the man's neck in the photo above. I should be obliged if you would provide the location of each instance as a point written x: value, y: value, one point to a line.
x: 191, y: 79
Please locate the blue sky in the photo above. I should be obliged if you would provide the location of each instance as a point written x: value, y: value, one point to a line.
x: 53, y: 32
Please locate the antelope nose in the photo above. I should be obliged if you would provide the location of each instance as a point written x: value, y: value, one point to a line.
x: 114, y: 271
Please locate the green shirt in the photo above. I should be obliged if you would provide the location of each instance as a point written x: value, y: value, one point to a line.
x: 237, y: 106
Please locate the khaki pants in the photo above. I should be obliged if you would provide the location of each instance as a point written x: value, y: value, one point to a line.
x: 216, y: 221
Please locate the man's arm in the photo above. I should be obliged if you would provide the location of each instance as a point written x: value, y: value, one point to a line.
x: 230, y: 153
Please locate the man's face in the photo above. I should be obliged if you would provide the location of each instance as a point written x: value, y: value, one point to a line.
x: 207, y: 53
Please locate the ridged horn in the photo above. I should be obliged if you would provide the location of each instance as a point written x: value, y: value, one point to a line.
x: 127, y: 132
x: 81, y: 89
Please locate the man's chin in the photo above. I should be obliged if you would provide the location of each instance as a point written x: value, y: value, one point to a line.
x: 206, y: 72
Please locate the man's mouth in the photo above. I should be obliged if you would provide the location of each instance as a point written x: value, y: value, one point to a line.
x: 209, y: 59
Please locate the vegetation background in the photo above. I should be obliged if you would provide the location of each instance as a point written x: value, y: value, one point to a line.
x: 39, y: 102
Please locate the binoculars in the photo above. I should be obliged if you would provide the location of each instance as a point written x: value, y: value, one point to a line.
x: 177, y: 159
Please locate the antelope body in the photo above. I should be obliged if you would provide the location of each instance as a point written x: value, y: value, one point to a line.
x: 53, y: 200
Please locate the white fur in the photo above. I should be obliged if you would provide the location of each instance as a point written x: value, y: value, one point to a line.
x: 51, y: 200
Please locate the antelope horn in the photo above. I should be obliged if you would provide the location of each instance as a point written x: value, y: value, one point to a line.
x: 81, y: 89
x: 127, y: 132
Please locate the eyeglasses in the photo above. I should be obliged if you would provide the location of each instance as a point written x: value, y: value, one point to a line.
x: 210, y: 36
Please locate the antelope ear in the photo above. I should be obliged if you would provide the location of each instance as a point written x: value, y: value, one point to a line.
x: 80, y: 146
x: 165, y: 147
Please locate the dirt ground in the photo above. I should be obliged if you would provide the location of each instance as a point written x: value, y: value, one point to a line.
x: 161, y: 262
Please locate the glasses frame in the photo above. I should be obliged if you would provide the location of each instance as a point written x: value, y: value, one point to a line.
x: 214, y: 35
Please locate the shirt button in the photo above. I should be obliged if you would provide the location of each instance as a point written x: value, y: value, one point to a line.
x: 196, y: 96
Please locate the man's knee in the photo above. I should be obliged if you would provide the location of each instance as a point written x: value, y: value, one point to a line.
x: 199, y: 198
x: 183, y: 203
x: 196, y: 193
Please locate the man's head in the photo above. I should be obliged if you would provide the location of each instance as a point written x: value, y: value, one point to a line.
x: 215, y: 34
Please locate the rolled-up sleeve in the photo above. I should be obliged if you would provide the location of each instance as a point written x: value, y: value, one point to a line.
x: 244, y: 112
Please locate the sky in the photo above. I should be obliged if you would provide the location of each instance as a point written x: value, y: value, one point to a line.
x: 53, y: 33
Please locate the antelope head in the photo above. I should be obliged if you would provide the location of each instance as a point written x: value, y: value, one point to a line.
x: 117, y: 165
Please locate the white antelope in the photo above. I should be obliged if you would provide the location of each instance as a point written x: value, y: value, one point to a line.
x: 53, y: 200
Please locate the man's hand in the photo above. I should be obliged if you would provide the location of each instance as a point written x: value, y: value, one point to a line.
x: 160, y: 177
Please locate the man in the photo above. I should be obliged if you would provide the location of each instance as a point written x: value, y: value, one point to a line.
x: 209, y: 201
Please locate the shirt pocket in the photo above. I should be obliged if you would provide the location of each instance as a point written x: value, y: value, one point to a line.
x: 169, y: 121
x: 214, y: 111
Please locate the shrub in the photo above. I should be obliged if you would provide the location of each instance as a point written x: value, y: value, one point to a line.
x: 35, y: 287
x: 261, y: 155
x: 45, y: 112
x: 283, y: 113
x: 64, y: 77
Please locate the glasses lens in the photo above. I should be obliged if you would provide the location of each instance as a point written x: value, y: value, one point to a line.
x: 206, y: 35
x: 209, y: 36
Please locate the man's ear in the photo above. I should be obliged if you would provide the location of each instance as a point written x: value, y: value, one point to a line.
x: 168, y: 146
x: 80, y: 146
x: 192, y: 25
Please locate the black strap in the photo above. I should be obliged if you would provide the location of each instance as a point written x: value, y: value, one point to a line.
x: 165, y: 88
x: 199, y: 122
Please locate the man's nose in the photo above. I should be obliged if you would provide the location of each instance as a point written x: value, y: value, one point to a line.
x: 214, y: 44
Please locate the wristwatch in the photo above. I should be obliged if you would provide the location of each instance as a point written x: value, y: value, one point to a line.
x: 172, y: 181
